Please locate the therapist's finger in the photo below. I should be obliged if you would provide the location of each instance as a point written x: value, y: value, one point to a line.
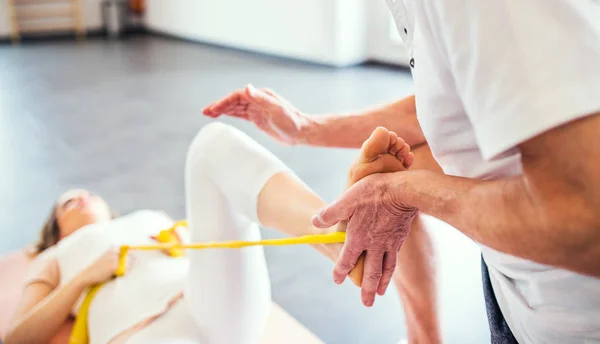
x: 261, y: 98
x: 389, y: 266
x: 239, y: 111
x: 372, y: 276
x: 219, y: 107
x: 331, y: 215
x: 346, y: 262
x: 238, y: 114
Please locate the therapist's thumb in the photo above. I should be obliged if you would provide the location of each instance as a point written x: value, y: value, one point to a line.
x: 260, y: 97
x: 331, y: 215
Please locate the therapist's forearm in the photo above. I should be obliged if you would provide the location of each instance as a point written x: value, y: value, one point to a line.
x: 506, y: 216
x: 351, y: 130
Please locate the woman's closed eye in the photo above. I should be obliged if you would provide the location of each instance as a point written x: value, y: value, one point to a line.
x: 68, y: 203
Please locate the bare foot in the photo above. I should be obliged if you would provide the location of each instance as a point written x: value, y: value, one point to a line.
x: 382, y: 152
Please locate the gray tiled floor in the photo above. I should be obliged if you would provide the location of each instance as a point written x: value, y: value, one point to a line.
x: 116, y: 117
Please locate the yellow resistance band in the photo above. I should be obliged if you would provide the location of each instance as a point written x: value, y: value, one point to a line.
x: 79, y: 334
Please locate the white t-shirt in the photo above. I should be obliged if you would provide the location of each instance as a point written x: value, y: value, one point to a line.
x: 489, y: 75
x: 152, y: 281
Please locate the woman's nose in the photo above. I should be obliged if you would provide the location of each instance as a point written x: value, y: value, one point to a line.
x: 84, y: 199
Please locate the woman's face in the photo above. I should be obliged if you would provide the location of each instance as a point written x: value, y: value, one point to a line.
x: 78, y: 208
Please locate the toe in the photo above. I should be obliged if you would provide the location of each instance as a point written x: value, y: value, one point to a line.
x: 393, y: 139
x: 375, y: 145
x: 408, y: 160
x: 397, y: 147
x: 403, y: 152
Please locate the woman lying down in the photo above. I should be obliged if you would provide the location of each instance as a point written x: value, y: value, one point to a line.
x: 209, y: 296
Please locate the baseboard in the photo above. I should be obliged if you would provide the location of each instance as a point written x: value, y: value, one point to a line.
x: 53, y: 36
x: 68, y: 35
x: 386, y: 65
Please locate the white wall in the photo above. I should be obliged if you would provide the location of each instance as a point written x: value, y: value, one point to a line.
x: 351, y: 31
x: 384, y: 42
x: 324, y: 31
x: 91, y: 11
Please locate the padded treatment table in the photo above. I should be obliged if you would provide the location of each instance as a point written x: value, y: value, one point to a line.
x: 282, y: 328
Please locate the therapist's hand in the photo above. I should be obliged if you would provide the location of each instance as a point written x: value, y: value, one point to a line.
x: 377, y: 225
x: 268, y: 111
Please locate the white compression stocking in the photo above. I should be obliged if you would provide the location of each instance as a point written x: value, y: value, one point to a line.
x: 229, y: 291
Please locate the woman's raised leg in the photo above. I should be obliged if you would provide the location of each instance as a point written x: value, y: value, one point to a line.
x: 229, y: 290
x: 232, y: 185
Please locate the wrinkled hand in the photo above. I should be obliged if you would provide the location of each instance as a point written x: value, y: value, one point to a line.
x: 268, y: 111
x: 377, y: 225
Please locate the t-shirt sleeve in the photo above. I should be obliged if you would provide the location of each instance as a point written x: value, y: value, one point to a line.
x: 43, y: 269
x: 521, y: 67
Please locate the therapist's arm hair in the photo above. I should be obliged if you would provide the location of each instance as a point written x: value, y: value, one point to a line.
x: 352, y: 129
x: 550, y: 214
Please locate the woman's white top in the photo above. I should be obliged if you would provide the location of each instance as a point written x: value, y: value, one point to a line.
x: 153, y: 279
